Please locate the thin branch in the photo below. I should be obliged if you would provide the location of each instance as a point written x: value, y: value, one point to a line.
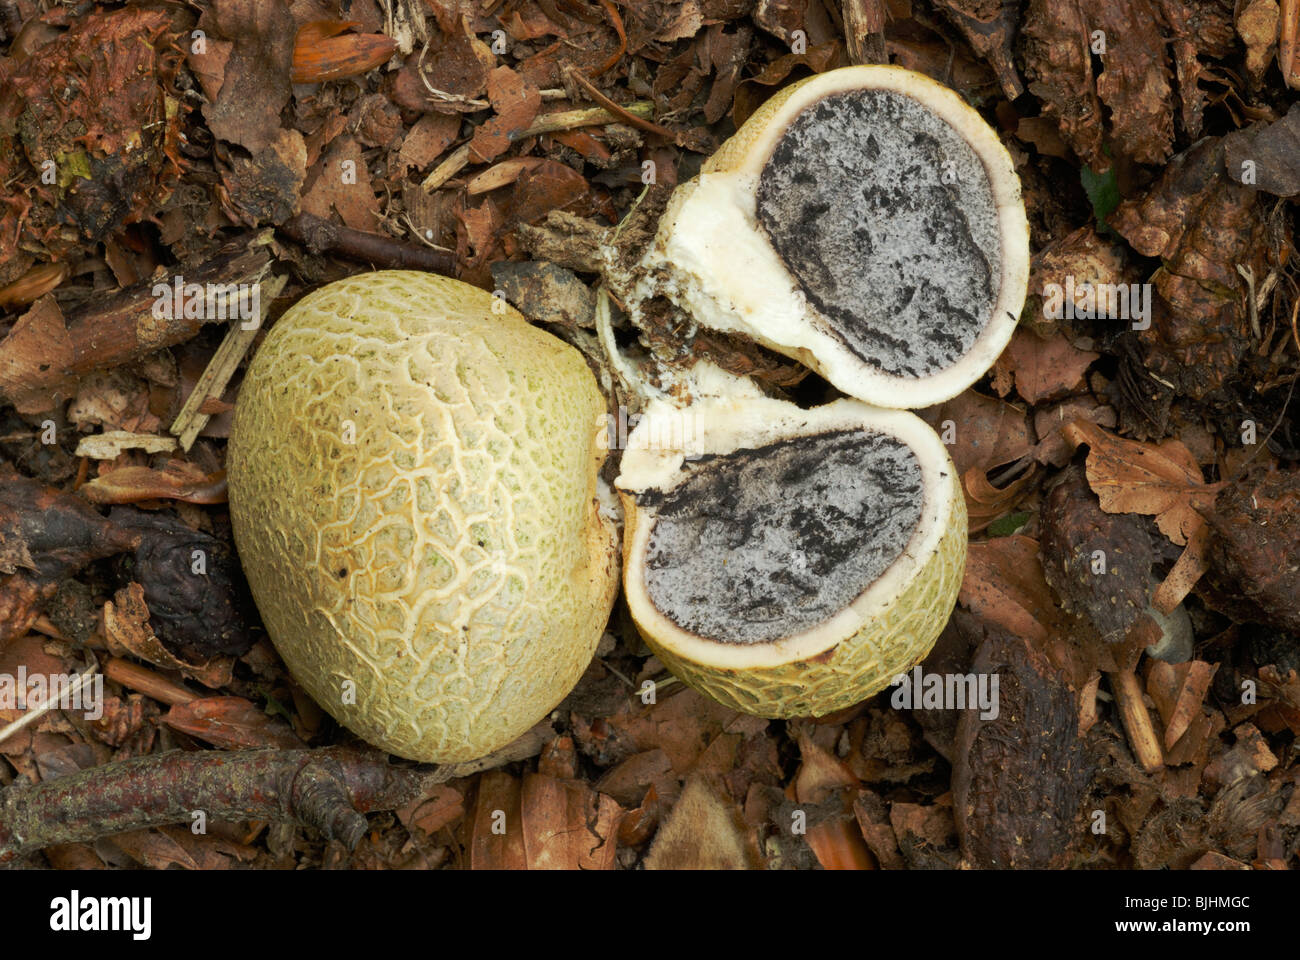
x: 625, y: 114
x: 459, y: 158
x: 323, y: 236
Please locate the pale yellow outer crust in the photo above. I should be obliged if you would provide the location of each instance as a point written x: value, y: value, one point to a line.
x: 449, y: 568
x: 857, y: 667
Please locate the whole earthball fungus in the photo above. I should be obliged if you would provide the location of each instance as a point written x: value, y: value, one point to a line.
x: 413, y: 489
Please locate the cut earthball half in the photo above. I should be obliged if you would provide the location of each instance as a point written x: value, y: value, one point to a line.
x: 866, y: 222
x: 789, y: 562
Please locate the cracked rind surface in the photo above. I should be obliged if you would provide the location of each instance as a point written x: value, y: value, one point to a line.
x: 451, y: 562
x: 860, y: 666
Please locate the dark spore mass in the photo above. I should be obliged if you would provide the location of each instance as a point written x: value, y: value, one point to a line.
x: 766, y: 543
x: 884, y: 215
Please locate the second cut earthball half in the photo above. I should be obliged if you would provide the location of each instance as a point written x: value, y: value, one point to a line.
x: 789, y: 562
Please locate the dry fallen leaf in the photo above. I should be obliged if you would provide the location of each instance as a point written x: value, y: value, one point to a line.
x: 1004, y: 585
x: 327, y: 188
x: 980, y: 432
x: 985, y: 502
x: 1045, y: 368
x: 127, y: 633
x: 1049, y: 421
x: 516, y: 102
x: 231, y: 723
x: 567, y: 825
x: 441, y: 807
x: 1178, y: 691
x: 1192, y: 564
x: 1163, y: 479
x: 496, y: 837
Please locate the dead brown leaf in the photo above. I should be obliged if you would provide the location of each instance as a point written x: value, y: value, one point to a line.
x: 256, y: 85
x: 340, y: 182
x: 1178, y: 691
x: 426, y: 141
x: 24, y: 653
x: 231, y: 723
x: 1044, y: 368
x: 549, y: 186
x: 1004, y: 585
x: 1191, y: 565
x: 39, y: 336
x: 754, y: 90
x: 496, y: 837
x: 1052, y: 448
x: 1162, y: 480
x: 1249, y: 756
x: 985, y: 502
x: 567, y: 825
x: 265, y: 187
x: 443, y: 806
x: 516, y: 102
x: 450, y: 78
x: 980, y: 432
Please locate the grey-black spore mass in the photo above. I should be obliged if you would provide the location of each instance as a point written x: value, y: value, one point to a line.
x: 766, y: 543
x: 886, y: 218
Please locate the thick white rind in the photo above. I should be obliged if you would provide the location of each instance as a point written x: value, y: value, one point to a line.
x: 716, y: 261
x: 720, y: 427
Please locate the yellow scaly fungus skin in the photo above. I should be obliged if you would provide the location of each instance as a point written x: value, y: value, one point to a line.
x: 412, y: 479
